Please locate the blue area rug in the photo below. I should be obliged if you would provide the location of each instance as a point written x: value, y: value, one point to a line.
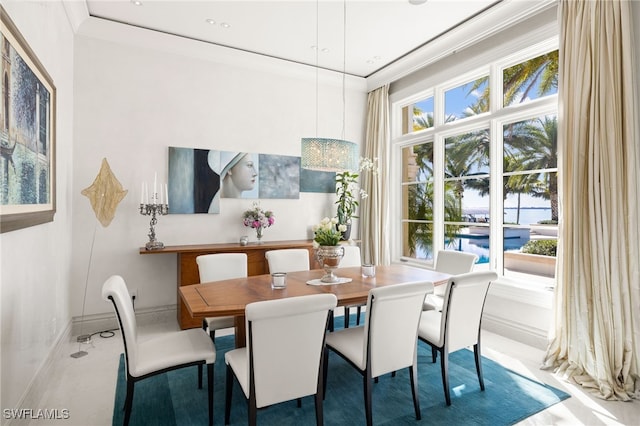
x: 173, y: 398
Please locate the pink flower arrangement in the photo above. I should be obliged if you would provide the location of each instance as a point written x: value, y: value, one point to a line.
x: 258, y: 218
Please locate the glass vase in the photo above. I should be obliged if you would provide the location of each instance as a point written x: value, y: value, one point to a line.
x: 259, y: 235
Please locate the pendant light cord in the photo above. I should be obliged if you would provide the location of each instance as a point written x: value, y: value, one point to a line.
x: 344, y: 64
x: 317, y: 60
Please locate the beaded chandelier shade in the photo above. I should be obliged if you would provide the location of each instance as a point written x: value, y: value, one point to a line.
x: 329, y: 155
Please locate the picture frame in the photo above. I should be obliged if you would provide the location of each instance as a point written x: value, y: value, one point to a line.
x: 200, y: 177
x: 27, y: 133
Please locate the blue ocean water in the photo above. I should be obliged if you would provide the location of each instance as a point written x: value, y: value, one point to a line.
x: 528, y: 215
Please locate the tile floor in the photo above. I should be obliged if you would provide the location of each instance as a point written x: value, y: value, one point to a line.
x: 86, y: 386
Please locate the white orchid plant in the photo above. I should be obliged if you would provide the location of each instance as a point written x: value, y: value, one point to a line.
x: 348, y: 192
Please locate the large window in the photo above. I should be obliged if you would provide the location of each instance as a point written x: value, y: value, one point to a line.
x: 479, y: 168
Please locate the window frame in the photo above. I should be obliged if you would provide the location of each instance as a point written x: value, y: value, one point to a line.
x: 494, y: 120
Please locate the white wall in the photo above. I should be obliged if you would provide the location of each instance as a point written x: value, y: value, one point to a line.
x: 129, y: 95
x: 114, y: 119
x: 137, y: 93
x: 35, y: 262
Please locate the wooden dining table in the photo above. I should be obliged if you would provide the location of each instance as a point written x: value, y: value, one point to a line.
x: 230, y: 297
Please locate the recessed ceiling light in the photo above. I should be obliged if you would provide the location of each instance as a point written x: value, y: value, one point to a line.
x: 210, y: 21
x: 225, y: 25
x: 136, y: 2
x: 417, y: 2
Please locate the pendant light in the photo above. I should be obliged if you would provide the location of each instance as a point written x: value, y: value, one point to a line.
x: 325, y: 154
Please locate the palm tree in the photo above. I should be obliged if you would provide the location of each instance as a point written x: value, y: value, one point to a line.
x: 420, y: 203
x: 543, y: 154
x: 468, y: 155
x: 539, y: 148
x: 420, y: 227
x: 424, y: 158
x: 516, y: 140
x: 539, y: 142
x: 519, y: 184
x: 482, y: 103
x: 528, y: 146
x: 519, y: 80
x: 454, y: 168
x: 421, y: 120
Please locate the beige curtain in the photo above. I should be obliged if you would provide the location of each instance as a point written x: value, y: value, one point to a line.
x: 374, y: 210
x: 596, y: 336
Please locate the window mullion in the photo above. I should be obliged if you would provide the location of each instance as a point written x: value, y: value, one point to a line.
x: 497, y: 203
x: 438, y: 192
x: 459, y: 152
x: 495, y: 159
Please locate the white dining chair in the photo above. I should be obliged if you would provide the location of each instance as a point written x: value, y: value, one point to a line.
x: 159, y: 354
x: 352, y: 257
x: 387, y: 341
x: 284, y: 356
x: 458, y: 325
x: 287, y: 260
x: 217, y: 267
x: 450, y: 262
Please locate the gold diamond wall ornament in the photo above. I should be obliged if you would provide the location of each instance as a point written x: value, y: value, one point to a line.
x: 105, y: 194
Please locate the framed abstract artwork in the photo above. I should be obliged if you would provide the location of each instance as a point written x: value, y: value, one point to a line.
x: 279, y: 176
x: 194, y: 181
x: 199, y: 178
x: 27, y: 134
x: 315, y: 181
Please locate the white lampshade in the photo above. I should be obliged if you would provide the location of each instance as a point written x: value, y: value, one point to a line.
x: 329, y: 155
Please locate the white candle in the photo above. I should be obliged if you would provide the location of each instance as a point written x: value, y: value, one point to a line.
x: 368, y: 271
x: 146, y: 192
x: 161, y: 195
x: 155, y: 189
x: 166, y: 194
x: 278, y: 280
x: 142, y: 193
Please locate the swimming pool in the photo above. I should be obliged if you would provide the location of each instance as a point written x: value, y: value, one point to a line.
x: 476, y: 240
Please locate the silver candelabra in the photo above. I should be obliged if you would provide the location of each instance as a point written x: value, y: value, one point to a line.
x: 153, y: 210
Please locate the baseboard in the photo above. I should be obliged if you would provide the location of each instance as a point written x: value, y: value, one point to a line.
x: 515, y: 331
x: 35, y: 390
x: 90, y: 324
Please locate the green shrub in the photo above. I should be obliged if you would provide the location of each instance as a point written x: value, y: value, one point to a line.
x: 541, y: 247
x: 548, y: 222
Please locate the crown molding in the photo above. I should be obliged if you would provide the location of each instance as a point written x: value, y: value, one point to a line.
x: 128, y: 35
x: 503, y: 15
x: 77, y: 12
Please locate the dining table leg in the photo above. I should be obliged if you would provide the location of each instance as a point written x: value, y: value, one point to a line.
x: 240, y: 333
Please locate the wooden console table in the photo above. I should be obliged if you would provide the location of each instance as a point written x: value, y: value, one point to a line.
x: 256, y: 264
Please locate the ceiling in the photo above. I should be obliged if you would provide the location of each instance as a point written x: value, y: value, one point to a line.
x: 378, y: 32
